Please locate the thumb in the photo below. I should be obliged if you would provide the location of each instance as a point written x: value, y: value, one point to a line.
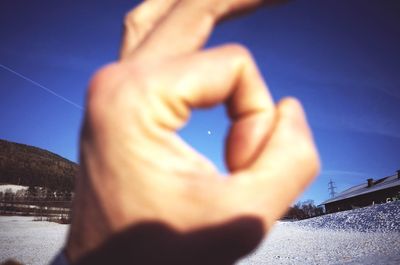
x: 285, y: 167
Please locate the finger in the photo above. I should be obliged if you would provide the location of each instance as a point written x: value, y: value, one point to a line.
x: 243, y: 11
x: 227, y: 74
x: 288, y: 163
x: 187, y: 27
x: 140, y: 21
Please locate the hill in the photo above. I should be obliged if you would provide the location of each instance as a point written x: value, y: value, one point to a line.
x: 26, y: 165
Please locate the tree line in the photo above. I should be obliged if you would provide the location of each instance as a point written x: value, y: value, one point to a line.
x: 303, y: 210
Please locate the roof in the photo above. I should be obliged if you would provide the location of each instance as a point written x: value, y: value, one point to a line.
x: 380, y: 184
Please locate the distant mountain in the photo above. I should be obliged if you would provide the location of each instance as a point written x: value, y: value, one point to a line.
x: 26, y: 165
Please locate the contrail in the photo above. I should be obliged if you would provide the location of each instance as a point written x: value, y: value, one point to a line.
x: 48, y: 90
x: 343, y: 172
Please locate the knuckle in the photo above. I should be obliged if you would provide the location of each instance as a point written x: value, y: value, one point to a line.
x: 101, y: 79
x: 129, y: 19
x: 102, y: 87
x: 308, y: 158
x: 238, y: 50
x: 293, y: 103
x: 241, y: 56
x: 137, y: 15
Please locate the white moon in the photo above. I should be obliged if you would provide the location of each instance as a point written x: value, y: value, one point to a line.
x: 209, y: 132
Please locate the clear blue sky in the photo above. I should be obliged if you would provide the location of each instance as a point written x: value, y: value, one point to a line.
x: 341, y: 58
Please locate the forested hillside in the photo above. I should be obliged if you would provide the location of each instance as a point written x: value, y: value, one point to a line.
x: 26, y: 165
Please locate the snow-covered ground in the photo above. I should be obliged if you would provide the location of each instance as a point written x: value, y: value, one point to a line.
x: 28, y: 241
x: 13, y: 188
x: 363, y: 236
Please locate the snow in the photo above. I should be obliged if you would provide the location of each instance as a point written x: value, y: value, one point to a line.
x: 290, y: 243
x: 13, y: 188
x: 28, y: 241
x: 369, y: 235
x: 378, y: 218
x: 363, y: 236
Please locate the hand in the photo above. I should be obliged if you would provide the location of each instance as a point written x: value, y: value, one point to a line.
x: 134, y: 168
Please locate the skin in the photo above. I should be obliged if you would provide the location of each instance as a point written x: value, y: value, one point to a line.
x: 134, y: 168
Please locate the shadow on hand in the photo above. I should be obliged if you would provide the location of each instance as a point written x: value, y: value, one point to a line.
x: 157, y: 243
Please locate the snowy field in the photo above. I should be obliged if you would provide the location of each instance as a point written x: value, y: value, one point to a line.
x: 28, y: 241
x: 363, y: 236
x: 13, y: 188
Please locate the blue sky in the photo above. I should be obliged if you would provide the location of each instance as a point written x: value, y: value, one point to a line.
x: 340, y: 58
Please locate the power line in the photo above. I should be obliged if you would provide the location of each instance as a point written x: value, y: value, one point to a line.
x: 48, y: 90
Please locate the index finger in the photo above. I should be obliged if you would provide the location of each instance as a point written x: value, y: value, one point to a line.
x: 187, y: 27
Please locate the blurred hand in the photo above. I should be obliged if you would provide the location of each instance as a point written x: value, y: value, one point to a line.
x: 135, y: 169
